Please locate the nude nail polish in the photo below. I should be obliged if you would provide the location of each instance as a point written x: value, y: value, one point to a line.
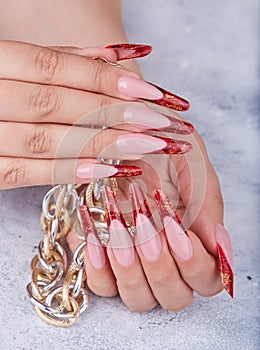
x: 170, y: 100
x: 129, y: 51
x: 95, y: 250
x: 177, y: 236
x: 145, y: 144
x: 119, y: 238
x: 93, y: 171
x: 147, y: 236
x: 225, y: 256
x: 138, y: 88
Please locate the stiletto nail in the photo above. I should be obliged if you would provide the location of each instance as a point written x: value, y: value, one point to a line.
x: 95, y: 250
x: 138, y: 88
x: 120, y: 240
x: 177, y: 236
x: 179, y: 127
x: 147, y: 236
x: 170, y: 100
x: 146, y: 144
x: 128, y: 51
x: 225, y: 256
x: 96, y: 171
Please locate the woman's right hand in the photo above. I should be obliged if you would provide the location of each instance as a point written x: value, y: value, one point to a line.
x: 44, y: 92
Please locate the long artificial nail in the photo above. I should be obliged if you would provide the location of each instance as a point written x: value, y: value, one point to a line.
x: 95, y: 250
x: 225, y: 257
x: 129, y: 51
x: 170, y: 100
x: 147, y: 236
x: 96, y: 171
x: 177, y: 236
x: 147, y: 119
x: 120, y: 240
x: 138, y: 88
x: 145, y: 144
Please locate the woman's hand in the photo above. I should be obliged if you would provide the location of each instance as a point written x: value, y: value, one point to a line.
x: 164, y: 264
x: 50, y: 100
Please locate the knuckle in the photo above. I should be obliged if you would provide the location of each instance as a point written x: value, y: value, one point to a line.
x: 43, y: 100
x: 161, y: 278
x: 38, y: 140
x: 14, y: 173
x: 48, y: 62
x: 98, y: 75
x: 129, y: 284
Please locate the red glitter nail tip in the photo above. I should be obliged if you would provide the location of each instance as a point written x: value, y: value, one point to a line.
x: 127, y: 170
x: 88, y: 225
x: 171, y: 100
x: 179, y: 127
x: 139, y: 201
x: 174, y: 146
x: 129, y: 51
x: 226, y: 273
x: 111, y: 207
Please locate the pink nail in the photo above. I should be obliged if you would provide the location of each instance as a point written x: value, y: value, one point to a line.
x: 95, y: 251
x: 121, y: 243
x: 148, y: 238
x: 139, y: 144
x: 138, y: 88
x: 179, y: 241
x: 95, y: 171
x: 145, y: 118
x: 223, y: 240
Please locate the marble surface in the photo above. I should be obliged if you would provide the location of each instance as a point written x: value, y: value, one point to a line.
x: 207, y: 51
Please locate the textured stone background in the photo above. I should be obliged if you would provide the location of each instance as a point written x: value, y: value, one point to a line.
x: 207, y: 51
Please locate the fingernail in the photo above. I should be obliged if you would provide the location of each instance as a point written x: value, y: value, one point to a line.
x: 119, y: 238
x: 177, y: 236
x: 145, y: 118
x: 129, y: 51
x: 138, y: 88
x: 170, y: 100
x: 179, y: 127
x: 95, y: 250
x: 146, y: 144
x: 96, y: 171
x: 225, y: 256
x: 147, y: 236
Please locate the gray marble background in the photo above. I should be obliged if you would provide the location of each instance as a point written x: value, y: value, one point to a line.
x: 207, y: 51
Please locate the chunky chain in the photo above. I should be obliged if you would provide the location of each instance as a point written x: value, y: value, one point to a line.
x: 56, y: 289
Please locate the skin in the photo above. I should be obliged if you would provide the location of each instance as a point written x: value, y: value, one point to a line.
x: 28, y: 78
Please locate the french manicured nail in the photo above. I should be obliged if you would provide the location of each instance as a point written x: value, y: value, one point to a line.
x: 119, y: 238
x: 145, y: 144
x: 147, y: 119
x: 177, y: 236
x: 225, y: 255
x: 96, y: 171
x: 129, y: 51
x: 170, y: 100
x: 95, y: 250
x: 138, y: 88
x: 147, y: 236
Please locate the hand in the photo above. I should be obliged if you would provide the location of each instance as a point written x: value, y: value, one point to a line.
x: 45, y: 92
x: 164, y: 267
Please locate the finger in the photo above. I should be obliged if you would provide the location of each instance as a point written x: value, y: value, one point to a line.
x: 200, y: 192
x: 38, y: 103
x: 21, y: 172
x: 131, y: 281
x: 197, y: 267
x: 108, y: 54
x: 62, y: 141
x: 162, y: 274
x: 31, y: 63
x: 100, y: 278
